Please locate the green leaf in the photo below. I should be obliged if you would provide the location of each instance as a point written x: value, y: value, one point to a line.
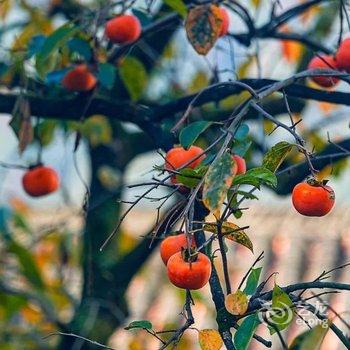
x: 311, y: 339
x: 275, y: 156
x: 46, y: 130
x: 252, y: 281
x: 52, y: 43
x: 190, y: 133
x: 191, y: 177
x: 217, y: 181
x: 178, y: 6
x: 282, y: 314
x: 256, y: 177
x: 106, y: 75
x: 241, y: 147
x: 97, y: 130
x: 244, y: 333
x: 19, y: 221
x: 11, y: 304
x: 242, y: 132
x: 81, y: 47
x: 144, y: 324
x: 134, y: 76
x: 27, y: 264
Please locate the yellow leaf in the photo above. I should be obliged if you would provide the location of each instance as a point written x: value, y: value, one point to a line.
x: 232, y: 232
x: 32, y: 314
x: 210, y: 339
x: 292, y: 50
x: 98, y: 130
x: 203, y: 26
x: 256, y: 3
x: 5, y: 6
x: 236, y: 303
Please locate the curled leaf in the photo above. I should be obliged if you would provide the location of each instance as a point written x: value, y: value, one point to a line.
x: 232, y: 232
x: 276, y: 155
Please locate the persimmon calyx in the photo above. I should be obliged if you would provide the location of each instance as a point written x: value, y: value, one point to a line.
x: 189, y: 255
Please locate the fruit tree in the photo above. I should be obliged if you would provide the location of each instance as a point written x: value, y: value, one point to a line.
x: 233, y: 95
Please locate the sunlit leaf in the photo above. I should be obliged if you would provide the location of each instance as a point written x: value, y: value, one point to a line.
x: 282, y: 314
x: 109, y: 177
x: 178, y: 6
x: 46, y: 131
x: 199, y: 82
x: 256, y: 177
x: 292, y: 50
x: 134, y: 76
x: 244, y: 333
x: 210, y: 339
x: 311, y: 339
x: 190, y: 133
x: 203, y: 25
x: 98, y: 130
x: 5, y: 6
x: 276, y: 155
x: 217, y: 181
x: 236, y: 303
x: 252, y: 281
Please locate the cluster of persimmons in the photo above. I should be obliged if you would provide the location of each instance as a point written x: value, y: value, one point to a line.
x: 124, y: 29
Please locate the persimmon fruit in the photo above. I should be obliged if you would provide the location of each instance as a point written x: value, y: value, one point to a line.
x: 189, y: 275
x: 313, y: 199
x: 240, y: 165
x: 40, y: 181
x: 324, y: 62
x: 225, y: 22
x: 79, y: 79
x: 177, y: 157
x: 343, y: 56
x: 123, y: 29
x: 172, y: 245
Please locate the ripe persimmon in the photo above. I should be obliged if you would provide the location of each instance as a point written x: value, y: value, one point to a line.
x: 178, y: 157
x: 123, y: 29
x: 343, y: 56
x: 79, y: 79
x: 40, y: 181
x: 240, y: 165
x: 324, y: 62
x: 172, y: 245
x: 225, y: 22
x: 189, y: 275
x: 313, y: 198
